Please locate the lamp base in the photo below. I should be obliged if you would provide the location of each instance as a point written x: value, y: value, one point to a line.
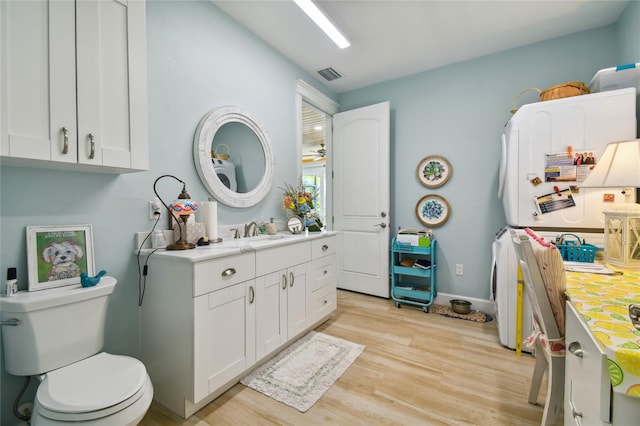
x: 180, y: 245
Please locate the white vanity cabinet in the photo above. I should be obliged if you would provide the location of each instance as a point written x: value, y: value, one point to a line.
x: 589, y: 399
x: 323, y: 278
x: 197, y: 326
x: 209, y: 315
x: 282, y: 279
x: 73, y: 85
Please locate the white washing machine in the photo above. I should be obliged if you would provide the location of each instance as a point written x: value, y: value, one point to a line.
x: 504, y: 280
x: 226, y: 172
x: 504, y: 291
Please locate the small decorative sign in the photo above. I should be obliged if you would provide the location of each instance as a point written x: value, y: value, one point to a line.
x: 57, y: 255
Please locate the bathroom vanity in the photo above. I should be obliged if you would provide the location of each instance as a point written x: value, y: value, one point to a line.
x: 211, y: 314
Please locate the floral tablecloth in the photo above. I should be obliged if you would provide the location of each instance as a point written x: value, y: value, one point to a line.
x: 603, y: 301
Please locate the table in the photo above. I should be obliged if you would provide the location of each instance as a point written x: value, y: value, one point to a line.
x: 602, y: 301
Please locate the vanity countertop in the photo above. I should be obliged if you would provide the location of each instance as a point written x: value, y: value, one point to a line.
x: 230, y: 247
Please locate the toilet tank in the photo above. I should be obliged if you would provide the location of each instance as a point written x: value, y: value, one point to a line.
x: 57, y: 326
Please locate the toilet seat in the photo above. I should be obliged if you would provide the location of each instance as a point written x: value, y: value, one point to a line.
x: 95, y: 387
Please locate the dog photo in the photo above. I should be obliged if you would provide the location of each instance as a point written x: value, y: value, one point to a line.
x: 58, y: 255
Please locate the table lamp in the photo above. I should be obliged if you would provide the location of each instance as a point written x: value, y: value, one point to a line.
x: 619, y: 167
x: 183, y: 206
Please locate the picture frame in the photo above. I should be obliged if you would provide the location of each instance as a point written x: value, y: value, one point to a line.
x: 433, y: 171
x: 433, y: 210
x: 58, y: 254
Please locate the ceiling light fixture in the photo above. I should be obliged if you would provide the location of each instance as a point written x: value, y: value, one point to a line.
x: 323, y: 22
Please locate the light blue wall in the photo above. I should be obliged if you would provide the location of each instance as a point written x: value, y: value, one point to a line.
x: 198, y: 59
x: 459, y: 111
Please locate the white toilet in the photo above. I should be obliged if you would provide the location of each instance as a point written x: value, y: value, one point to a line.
x: 59, y: 338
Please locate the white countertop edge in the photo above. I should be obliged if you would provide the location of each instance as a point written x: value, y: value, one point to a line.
x: 232, y: 247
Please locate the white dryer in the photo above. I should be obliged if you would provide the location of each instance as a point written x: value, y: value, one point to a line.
x: 226, y: 172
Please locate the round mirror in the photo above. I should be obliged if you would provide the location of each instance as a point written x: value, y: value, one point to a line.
x: 233, y: 157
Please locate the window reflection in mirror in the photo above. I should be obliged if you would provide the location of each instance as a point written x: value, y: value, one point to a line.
x: 239, y: 159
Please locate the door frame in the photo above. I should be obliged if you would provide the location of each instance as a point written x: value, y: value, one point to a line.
x: 305, y: 93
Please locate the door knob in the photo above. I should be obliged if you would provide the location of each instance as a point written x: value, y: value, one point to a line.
x: 381, y: 225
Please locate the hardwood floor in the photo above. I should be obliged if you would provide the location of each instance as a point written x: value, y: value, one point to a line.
x: 416, y: 369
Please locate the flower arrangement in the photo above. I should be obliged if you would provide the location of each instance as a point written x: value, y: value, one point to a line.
x: 299, y: 202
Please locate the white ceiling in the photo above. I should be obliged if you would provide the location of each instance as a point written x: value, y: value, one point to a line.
x: 396, y: 38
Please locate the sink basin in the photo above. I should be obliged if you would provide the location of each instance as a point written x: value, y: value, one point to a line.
x: 249, y: 242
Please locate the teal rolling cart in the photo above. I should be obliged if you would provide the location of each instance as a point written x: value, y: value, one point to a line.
x: 413, y: 274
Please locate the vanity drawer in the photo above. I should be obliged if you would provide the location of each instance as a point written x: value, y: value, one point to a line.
x: 323, y: 247
x: 324, y: 301
x: 324, y: 272
x: 278, y: 258
x: 215, y: 274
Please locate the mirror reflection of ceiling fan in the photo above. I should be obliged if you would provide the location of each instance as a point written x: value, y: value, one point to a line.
x: 316, y: 155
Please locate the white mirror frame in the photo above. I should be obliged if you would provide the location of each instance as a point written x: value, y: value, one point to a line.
x: 204, y: 135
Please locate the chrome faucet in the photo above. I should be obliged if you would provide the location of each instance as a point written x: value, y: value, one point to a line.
x: 247, y: 229
x: 236, y: 234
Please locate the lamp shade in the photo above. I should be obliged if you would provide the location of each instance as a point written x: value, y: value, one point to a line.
x: 183, y: 206
x: 619, y: 167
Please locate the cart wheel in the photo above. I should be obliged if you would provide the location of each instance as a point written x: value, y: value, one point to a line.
x: 398, y: 305
x: 425, y: 309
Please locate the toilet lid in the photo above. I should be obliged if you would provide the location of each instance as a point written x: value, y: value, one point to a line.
x: 91, y: 385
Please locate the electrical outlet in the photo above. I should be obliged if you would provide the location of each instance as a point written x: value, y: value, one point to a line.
x: 459, y: 269
x: 155, y: 209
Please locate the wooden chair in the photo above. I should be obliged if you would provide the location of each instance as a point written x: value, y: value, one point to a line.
x: 549, y: 337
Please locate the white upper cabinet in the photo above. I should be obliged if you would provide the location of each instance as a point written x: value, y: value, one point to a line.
x: 73, y: 85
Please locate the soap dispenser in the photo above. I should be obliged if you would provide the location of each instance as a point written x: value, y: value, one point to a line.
x: 271, y: 227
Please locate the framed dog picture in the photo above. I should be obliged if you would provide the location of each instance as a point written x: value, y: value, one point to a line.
x: 57, y: 255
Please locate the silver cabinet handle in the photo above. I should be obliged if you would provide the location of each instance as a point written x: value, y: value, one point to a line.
x: 325, y: 247
x: 252, y: 294
x: 284, y: 281
x: 291, y: 278
x: 10, y: 321
x: 92, y: 139
x: 381, y: 225
x: 228, y: 272
x: 576, y: 349
x: 65, y: 140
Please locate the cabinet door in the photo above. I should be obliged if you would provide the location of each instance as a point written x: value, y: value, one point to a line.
x: 224, y: 337
x: 271, y: 313
x: 587, y: 393
x: 297, y: 299
x: 38, y: 84
x: 110, y: 43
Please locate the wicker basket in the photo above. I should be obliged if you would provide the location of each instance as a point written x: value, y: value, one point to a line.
x: 219, y: 155
x: 564, y: 90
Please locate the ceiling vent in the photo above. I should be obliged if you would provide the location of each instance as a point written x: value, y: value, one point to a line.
x: 329, y: 74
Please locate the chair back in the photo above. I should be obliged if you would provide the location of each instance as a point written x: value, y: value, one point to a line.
x: 535, y: 287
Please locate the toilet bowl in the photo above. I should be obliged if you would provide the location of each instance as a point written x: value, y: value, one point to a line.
x: 57, y: 335
x: 103, y: 389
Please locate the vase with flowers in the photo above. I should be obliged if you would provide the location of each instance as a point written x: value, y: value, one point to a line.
x: 298, y: 201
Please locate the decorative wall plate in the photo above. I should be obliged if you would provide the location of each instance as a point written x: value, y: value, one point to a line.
x: 433, y: 171
x: 432, y: 210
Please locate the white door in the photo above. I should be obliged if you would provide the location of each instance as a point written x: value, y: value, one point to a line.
x: 361, y: 198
